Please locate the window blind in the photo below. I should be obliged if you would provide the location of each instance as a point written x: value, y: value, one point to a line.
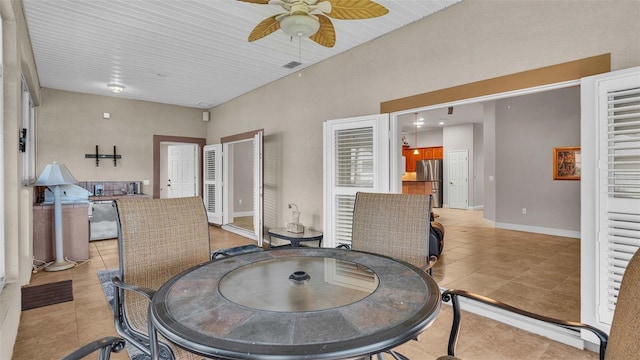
x: 354, y: 157
x: 212, y: 173
x: 354, y: 169
x: 622, y: 202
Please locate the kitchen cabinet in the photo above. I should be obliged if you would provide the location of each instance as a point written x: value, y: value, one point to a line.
x: 411, y: 159
x: 438, y: 153
x: 428, y: 153
x: 75, y: 232
x: 416, y: 187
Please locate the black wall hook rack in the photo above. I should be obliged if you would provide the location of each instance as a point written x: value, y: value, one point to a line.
x: 99, y: 156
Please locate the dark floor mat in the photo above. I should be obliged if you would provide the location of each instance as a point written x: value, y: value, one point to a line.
x: 46, y: 294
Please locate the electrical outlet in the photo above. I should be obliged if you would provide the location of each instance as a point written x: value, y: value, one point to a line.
x: 524, y: 211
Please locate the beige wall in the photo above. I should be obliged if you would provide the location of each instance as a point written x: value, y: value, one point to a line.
x: 17, y: 60
x: 471, y: 41
x: 70, y: 125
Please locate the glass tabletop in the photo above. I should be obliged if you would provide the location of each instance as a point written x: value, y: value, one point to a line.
x: 298, y: 284
x: 296, y: 303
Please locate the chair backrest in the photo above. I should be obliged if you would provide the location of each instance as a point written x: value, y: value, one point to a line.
x: 158, y: 239
x: 624, y: 338
x: 395, y: 225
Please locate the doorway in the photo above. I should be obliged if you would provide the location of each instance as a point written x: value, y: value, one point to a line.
x: 233, y: 184
x: 458, y: 178
x: 239, y: 180
x: 160, y: 156
x: 181, y: 174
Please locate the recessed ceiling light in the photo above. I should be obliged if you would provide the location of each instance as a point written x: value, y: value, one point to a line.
x: 115, y: 88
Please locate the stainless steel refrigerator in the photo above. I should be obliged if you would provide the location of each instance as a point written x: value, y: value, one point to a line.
x: 431, y: 170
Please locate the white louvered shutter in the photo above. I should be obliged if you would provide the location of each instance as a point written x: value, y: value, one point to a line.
x: 618, y: 185
x: 356, y: 158
x: 258, y: 180
x: 213, y: 182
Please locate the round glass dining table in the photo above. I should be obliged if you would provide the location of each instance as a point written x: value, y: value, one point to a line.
x: 296, y: 303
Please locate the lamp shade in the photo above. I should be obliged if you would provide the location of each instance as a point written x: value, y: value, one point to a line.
x: 299, y: 25
x: 55, y: 174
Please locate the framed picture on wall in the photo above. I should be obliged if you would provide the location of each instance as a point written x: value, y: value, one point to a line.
x: 567, y: 163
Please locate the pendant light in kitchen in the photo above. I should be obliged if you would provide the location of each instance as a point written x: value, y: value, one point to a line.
x: 415, y: 123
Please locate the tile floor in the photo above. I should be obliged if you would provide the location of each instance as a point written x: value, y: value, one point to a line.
x: 476, y: 254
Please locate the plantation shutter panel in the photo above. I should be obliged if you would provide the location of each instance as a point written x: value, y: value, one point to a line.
x: 213, y: 182
x: 356, y: 158
x: 257, y: 186
x: 619, y: 185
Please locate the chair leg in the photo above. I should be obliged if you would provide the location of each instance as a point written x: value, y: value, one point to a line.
x: 455, y: 326
x: 397, y: 355
x: 153, y: 338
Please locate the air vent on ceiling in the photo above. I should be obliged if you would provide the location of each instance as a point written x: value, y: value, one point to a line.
x: 291, y: 64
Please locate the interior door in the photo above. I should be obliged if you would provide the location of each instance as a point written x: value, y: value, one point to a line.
x: 356, y: 158
x: 181, y: 179
x: 609, y: 188
x: 458, y: 179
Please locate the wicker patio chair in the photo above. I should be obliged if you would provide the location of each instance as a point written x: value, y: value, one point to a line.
x: 157, y: 239
x: 623, y: 341
x: 105, y: 346
x: 395, y: 225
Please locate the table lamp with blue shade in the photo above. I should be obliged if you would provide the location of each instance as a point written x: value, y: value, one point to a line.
x: 52, y: 176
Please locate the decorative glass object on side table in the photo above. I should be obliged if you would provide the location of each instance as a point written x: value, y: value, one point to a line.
x: 295, y: 226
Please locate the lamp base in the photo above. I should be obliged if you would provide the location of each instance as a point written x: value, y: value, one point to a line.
x: 60, y: 265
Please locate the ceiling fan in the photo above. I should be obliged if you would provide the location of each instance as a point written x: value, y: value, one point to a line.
x: 310, y: 18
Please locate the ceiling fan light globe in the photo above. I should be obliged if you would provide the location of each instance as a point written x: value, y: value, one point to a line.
x: 299, y: 25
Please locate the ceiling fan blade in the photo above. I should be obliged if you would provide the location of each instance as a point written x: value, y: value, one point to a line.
x: 326, y: 35
x: 355, y: 9
x: 264, y: 2
x: 321, y: 7
x: 264, y: 28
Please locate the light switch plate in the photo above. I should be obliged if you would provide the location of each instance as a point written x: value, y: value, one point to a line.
x: 106, y: 116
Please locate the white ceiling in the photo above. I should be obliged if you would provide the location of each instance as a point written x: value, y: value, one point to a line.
x: 439, y: 118
x: 184, y: 52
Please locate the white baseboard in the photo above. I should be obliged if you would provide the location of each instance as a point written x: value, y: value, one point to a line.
x: 240, y: 231
x: 242, y: 213
x: 539, y: 230
x: 471, y: 208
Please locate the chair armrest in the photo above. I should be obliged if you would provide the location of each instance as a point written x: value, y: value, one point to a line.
x: 452, y: 295
x: 218, y: 255
x: 106, y: 345
x: 243, y: 249
x: 148, y: 293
